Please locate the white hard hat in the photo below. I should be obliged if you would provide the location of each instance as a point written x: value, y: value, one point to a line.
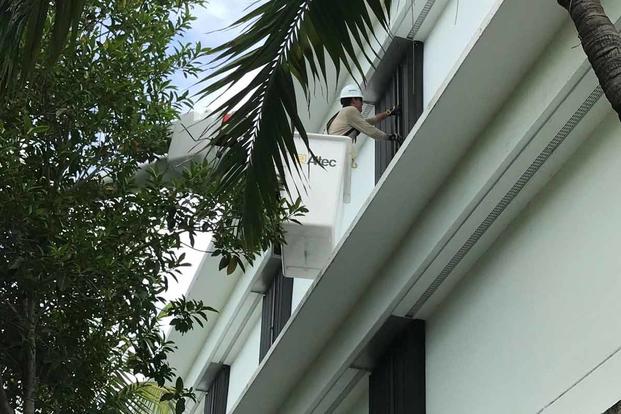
x: 351, y: 91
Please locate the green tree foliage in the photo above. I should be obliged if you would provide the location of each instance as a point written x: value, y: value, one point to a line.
x: 86, y: 252
x: 22, y: 24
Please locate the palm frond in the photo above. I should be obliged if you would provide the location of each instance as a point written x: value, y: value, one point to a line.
x: 22, y: 25
x: 283, y: 40
x: 126, y: 396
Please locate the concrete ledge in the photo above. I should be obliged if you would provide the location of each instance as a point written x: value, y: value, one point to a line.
x: 439, y: 140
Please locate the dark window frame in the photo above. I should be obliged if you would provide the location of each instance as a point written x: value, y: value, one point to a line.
x: 397, y: 382
x: 218, y: 392
x: 406, y: 89
x: 275, y: 311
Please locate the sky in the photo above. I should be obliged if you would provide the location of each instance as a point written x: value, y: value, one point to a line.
x: 210, y: 29
x: 216, y: 15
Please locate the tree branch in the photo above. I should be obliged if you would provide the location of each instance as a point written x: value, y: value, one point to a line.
x: 30, y: 368
x: 5, y: 407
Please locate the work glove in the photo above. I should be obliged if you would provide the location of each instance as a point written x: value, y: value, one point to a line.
x: 395, y: 138
x: 394, y: 111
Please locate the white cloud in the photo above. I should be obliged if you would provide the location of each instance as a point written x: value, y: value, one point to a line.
x: 212, y: 20
x: 210, y: 28
x: 217, y: 10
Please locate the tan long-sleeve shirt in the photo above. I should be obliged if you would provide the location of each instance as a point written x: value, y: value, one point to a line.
x: 349, y: 117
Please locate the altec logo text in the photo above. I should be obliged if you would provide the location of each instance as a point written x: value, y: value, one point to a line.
x: 317, y: 160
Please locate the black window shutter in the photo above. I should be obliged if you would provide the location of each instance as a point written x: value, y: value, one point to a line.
x: 276, y: 311
x: 215, y: 400
x: 397, y: 382
x: 615, y: 409
x: 405, y: 89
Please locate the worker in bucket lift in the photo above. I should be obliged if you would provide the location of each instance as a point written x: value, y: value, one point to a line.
x: 349, y: 121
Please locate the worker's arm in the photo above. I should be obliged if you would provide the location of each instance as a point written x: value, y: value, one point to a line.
x: 377, y: 118
x: 355, y: 119
x: 383, y: 115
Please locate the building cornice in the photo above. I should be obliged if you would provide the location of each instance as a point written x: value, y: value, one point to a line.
x: 467, y: 101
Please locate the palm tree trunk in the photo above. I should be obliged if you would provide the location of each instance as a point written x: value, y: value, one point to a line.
x: 602, y: 44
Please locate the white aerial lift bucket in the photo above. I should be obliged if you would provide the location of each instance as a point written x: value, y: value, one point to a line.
x: 324, y: 186
x: 189, y: 141
x: 190, y: 138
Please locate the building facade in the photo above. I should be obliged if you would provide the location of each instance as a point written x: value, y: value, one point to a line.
x: 475, y: 268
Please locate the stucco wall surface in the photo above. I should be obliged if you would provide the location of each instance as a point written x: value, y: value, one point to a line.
x: 244, y: 365
x: 457, y: 25
x: 541, y: 309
